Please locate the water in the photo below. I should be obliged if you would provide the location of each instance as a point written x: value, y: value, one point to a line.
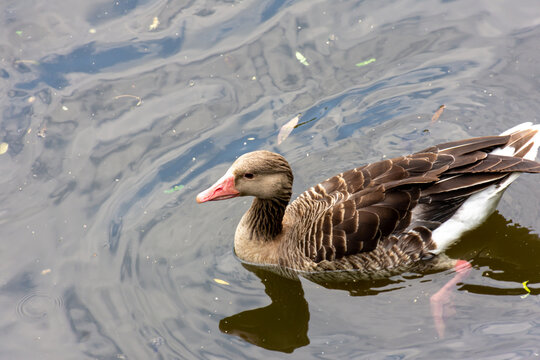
x: 105, y: 109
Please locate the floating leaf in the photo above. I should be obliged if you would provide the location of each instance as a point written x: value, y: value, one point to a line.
x: 367, y: 62
x: 302, y: 58
x: 287, y: 128
x: 175, y: 188
x: 438, y: 113
x: 221, y: 282
x: 154, y: 25
x: 3, y: 148
x: 526, y: 288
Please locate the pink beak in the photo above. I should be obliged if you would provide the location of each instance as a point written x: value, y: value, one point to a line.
x: 221, y: 190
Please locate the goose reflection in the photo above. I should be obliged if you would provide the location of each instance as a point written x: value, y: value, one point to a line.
x: 495, y: 248
x: 280, y: 326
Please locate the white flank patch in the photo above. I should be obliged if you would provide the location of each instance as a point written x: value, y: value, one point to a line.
x: 476, y: 209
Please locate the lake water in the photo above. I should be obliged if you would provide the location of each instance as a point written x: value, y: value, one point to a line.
x: 108, y: 105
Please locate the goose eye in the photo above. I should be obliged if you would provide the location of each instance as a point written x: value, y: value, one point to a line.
x: 248, y: 176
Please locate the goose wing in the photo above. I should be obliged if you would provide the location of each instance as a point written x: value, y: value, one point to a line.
x: 366, y: 205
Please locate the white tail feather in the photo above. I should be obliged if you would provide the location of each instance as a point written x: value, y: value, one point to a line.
x: 476, y: 209
x: 510, y: 151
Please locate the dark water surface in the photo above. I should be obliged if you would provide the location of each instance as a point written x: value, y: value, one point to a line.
x: 103, y: 114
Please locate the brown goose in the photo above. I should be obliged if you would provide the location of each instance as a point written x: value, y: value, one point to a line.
x: 380, y: 218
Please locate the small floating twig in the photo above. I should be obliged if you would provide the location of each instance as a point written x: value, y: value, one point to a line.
x: 367, y: 62
x: 305, y: 122
x: 33, y: 62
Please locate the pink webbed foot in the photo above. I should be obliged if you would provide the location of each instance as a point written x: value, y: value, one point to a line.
x: 441, y: 302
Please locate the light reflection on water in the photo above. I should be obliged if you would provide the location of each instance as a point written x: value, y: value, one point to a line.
x: 103, y: 115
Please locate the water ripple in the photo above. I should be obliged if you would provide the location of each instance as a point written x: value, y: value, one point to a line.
x: 38, y: 305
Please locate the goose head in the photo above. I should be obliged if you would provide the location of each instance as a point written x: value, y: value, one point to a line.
x: 262, y: 174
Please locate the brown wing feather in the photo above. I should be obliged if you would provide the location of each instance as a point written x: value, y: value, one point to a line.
x: 497, y: 163
x: 461, y: 147
x: 406, y: 197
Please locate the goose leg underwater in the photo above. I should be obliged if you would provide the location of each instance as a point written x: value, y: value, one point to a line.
x: 378, y: 219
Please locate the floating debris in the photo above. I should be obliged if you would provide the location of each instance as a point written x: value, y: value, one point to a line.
x: 221, y: 282
x: 175, y: 188
x: 24, y: 61
x: 42, y: 132
x: 251, y: 138
x: 92, y: 31
x: 156, y: 342
x: 301, y: 58
x: 154, y: 25
x: 287, y: 128
x: 45, y: 271
x: 65, y: 108
x: 367, y: 62
x: 130, y: 96
x: 526, y: 288
x: 4, y: 146
x: 305, y: 122
x: 438, y: 113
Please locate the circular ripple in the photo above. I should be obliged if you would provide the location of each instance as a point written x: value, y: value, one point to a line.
x: 38, y: 305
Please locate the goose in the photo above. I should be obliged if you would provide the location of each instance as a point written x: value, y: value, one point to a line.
x: 377, y: 219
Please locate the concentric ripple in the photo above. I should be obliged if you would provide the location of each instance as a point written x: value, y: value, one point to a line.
x: 38, y: 305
